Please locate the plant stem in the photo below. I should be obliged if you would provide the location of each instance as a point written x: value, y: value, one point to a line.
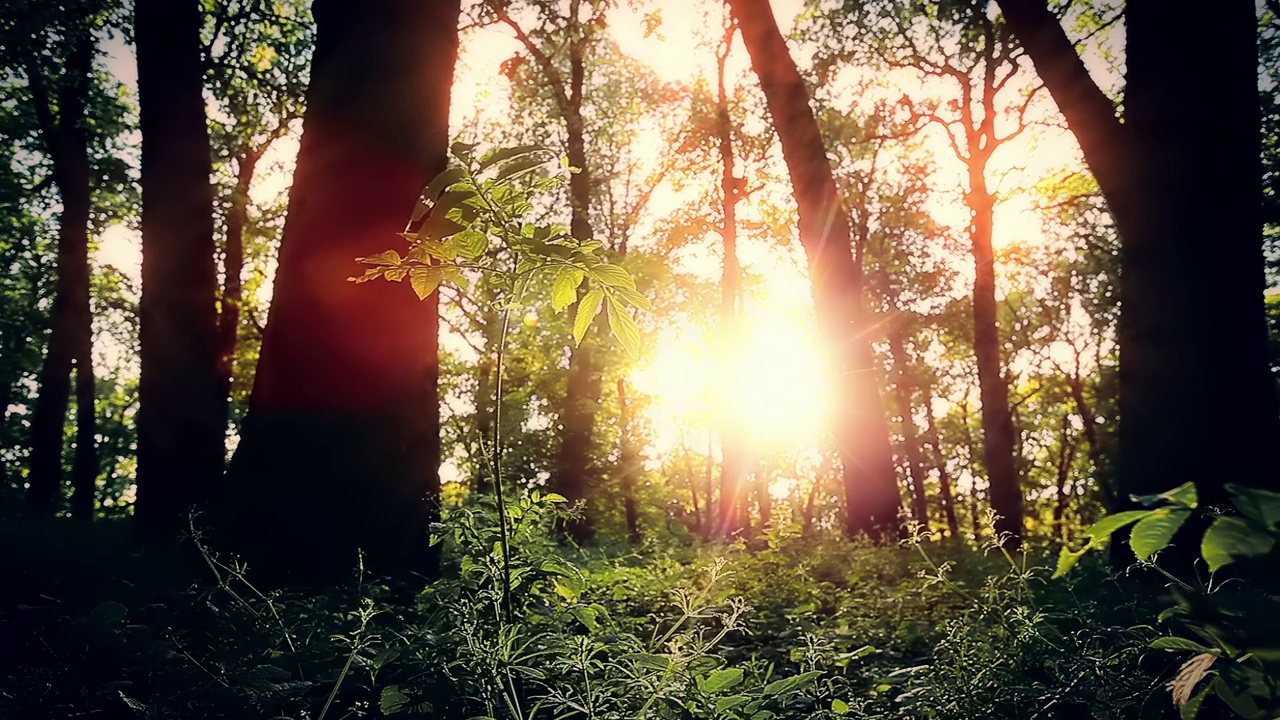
x: 497, y: 466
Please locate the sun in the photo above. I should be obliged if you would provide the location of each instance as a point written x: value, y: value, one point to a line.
x: 766, y: 380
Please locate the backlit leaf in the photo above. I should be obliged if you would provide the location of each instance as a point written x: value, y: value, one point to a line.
x: 425, y: 280
x: 1153, y: 532
x: 613, y: 276
x: 624, y: 328
x: 588, y: 306
x: 564, y: 290
x: 1230, y: 538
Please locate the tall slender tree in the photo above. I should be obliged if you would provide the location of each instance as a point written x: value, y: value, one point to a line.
x: 60, y: 97
x: 862, y: 430
x: 340, y: 450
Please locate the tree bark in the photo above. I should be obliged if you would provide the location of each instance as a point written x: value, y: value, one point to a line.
x: 732, y: 467
x: 910, y: 441
x: 861, y: 428
x: 998, y: 436
x: 1066, y: 456
x: 628, y: 467
x: 233, y: 268
x: 71, y: 338
x: 340, y: 450
x: 944, y: 478
x: 181, y: 414
x: 1191, y: 251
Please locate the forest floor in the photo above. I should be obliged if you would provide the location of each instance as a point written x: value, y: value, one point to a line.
x: 792, y: 627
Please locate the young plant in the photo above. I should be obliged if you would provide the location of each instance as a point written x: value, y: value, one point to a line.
x: 1232, y: 627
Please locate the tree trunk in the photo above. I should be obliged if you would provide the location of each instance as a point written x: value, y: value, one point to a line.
x: 1066, y: 455
x: 861, y: 428
x: 181, y: 413
x: 1191, y: 251
x: 1102, y: 476
x: 732, y: 467
x: 998, y: 435
x: 340, y: 450
x: 910, y: 442
x: 71, y: 337
x: 764, y: 501
x: 233, y: 268
x: 578, y: 416
x: 628, y: 467
x: 940, y: 461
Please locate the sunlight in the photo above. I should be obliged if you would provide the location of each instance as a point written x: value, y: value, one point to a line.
x: 769, y: 381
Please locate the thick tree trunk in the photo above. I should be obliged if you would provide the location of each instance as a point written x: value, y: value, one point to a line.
x: 940, y: 461
x: 998, y: 436
x: 910, y: 441
x: 861, y: 428
x: 71, y: 337
x: 1191, y: 251
x: 340, y: 451
x: 181, y: 414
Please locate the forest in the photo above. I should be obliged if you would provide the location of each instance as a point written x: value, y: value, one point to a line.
x: 640, y: 359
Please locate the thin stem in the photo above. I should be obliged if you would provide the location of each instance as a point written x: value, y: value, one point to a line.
x: 497, y: 466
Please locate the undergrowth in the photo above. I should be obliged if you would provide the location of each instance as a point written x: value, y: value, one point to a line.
x: 801, y: 627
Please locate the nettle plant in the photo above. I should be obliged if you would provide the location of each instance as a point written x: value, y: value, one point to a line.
x: 525, y: 639
x: 1231, y: 626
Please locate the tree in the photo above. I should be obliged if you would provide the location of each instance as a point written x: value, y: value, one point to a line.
x: 256, y: 58
x: 340, y: 449
x: 181, y: 421
x: 577, y: 413
x: 60, y: 96
x: 1196, y: 402
x: 862, y: 432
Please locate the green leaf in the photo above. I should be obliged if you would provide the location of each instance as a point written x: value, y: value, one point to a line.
x: 1067, y: 559
x: 1101, y: 531
x: 1184, y: 495
x: 462, y: 149
x: 586, y: 616
x: 498, y: 155
x: 564, y: 290
x: 441, y: 182
x: 1230, y: 538
x: 633, y: 297
x: 588, y: 306
x: 1261, y: 506
x: 518, y: 167
x: 795, y: 682
x: 393, y: 700
x: 425, y: 280
x: 1177, y: 644
x: 1152, y: 533
x: 613, y: 276
x: 839, y: 707
x: 720, y: 680
x: 386, y: 257
x: 648, y: 660
x: 623, y: 328
x: 471, y: 244
x: 555, y: 498
x: 730, y: 702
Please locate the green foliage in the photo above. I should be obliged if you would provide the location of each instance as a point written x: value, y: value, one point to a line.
x: 480, y: 204
x: 1231, y: 627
